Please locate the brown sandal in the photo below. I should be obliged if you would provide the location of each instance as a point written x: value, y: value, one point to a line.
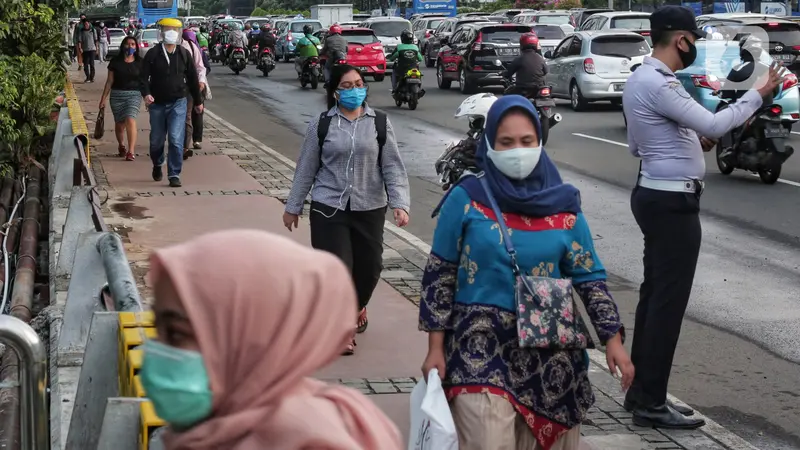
x: 361, y: 324
x: 350, y: 348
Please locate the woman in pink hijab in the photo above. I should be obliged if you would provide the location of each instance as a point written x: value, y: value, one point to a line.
x: 238, y: 337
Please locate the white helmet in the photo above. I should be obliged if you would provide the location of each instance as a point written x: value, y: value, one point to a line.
x: 475, y: 106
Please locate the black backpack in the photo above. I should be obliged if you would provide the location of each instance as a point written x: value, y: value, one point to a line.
x: 380, y: 127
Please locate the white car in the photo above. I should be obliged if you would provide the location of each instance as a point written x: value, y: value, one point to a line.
x: 117, y: 35
x: 388, y: 30
x: 549, y: 36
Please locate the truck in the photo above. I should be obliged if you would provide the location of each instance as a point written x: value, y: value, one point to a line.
x: 331, y: 14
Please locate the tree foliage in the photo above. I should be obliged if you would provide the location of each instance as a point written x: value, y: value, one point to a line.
x: 33, y: 67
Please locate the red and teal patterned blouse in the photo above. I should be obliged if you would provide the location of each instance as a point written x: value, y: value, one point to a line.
x: 468, y: 292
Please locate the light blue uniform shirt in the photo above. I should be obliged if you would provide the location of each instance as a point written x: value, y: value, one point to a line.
x: 664, y: 122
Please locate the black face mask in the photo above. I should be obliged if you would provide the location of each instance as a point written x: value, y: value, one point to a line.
x: 687, y: 57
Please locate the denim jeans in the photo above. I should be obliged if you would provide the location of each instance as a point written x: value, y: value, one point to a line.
x: 168, y: 122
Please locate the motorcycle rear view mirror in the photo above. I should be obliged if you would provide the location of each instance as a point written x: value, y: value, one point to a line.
x: 498, y: 63
x: 548, y: 54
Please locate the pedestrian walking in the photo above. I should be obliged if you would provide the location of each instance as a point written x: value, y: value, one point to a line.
x: 123, y: 88
x: 235, y: 374
x: 168, y: 76
x: 194, y: 120
x: 76, y: 40
x: 87, y: 40
x: 69, y: 39
x: 503, y: 395
x: 669, y: 131
x: 350, y: 157
x: 105, y: 41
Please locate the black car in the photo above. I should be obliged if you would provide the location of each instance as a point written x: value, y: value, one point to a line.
x: 471, y: 55
x: 784, y: 36
x: 445, y: 30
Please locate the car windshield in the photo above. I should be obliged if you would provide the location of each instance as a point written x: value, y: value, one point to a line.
x: 554, y: 19
x: 503, y: 35
x: 631, y: 23
x: 390, y: 28
x: 787, y: 34
x: 432, y: 24
x: 116, y: 32
x: 149, y: 35
x: 549, y: 32
x: 297, y: 27
x: 620, y: 46
x: 360, y: 37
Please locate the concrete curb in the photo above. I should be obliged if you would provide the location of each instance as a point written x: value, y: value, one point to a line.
x: 712, y: 428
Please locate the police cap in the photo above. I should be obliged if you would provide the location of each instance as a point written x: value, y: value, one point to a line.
x: 675, y: 18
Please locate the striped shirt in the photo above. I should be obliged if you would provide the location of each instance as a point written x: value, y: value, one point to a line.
x: 348, y: 169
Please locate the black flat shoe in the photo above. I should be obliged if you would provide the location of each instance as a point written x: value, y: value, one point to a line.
x: 664, y: 417
x: 629, y: 406
x: 158, y: 174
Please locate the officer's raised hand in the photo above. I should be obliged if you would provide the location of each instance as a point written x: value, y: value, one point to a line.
x: 770, y: 80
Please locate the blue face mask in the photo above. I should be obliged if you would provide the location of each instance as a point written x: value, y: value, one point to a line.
x: 131, y: 50
x: 352, y: 99
x: 176, y: 381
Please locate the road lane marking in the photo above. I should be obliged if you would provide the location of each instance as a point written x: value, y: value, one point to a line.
x: 607, y: 141
x: 622, y: 144
x: 795, y: 132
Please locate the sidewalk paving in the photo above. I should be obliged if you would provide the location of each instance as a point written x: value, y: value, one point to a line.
x: 238, y: 182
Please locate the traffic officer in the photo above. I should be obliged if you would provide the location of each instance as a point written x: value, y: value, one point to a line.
x: 669, y: 132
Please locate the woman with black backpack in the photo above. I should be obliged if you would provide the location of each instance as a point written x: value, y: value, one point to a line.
x: 350, y: 157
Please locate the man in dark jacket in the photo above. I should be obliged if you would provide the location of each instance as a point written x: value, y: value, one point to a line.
x: 266, y: 39
x: 168, y: 74
x: 529, y: 67
x: 334, y: 48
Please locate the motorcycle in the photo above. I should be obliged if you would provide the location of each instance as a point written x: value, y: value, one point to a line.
x: 544, y: 105
x: 759, y: 145
x: 237, y: 61
x: 254, y: 53
x: 219, y: 53
x: 459, y: 157
x: 266, y: 61
x: 310, y: 72
x: 409, y: 89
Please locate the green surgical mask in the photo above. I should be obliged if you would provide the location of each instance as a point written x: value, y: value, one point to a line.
x: 176, y: 381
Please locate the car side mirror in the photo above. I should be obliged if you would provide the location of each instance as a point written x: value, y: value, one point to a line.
x: 445, y: 40
x: 548, y: 54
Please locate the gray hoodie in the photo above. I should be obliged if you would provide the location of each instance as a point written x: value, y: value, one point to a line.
x: 86, y: 38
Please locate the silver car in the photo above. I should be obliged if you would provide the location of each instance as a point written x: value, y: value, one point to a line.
x: 117, y: 35
x: 147, y: 39
x: 593, y: 66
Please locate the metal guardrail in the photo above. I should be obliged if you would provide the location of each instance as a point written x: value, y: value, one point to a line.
x: 23, y: 340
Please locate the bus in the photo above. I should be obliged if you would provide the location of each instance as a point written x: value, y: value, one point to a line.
x: 151, y: 11
x: 407, y: 8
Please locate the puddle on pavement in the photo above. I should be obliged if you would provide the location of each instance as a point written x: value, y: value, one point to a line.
x: 129, y: 210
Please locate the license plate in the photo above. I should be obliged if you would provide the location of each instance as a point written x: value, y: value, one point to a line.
x: 363, y: 69
x: 413, y: 81
x: 783, y: 57
x: 238, y: 56
x: 508, y: 51
x: 775, y: 132
x: 618, y: 87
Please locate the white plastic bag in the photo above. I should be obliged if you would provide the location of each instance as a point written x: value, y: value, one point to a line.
x: 432, y: 426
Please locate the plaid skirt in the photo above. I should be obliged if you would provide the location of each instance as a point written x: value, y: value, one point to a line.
x: 125, y: 104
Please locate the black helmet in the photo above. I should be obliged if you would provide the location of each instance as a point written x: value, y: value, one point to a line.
x: 203, y: 29
x: 308, y: 29
x: 406, y: 37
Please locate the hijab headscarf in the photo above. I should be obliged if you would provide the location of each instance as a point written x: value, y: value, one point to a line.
x: 190, y: 36
x: 267, y: 313
x: 541, y: 194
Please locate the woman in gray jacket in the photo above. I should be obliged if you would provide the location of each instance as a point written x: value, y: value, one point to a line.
x: 351, y: 164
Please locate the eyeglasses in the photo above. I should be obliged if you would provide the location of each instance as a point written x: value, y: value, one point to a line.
x: 351, y: 84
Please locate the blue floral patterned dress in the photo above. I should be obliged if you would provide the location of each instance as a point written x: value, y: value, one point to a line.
x: 468, y: 292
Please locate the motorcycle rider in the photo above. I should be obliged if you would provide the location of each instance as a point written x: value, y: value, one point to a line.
x: 407, y: 55
x: 334, y: 49
x: 306, y: 48
x: 529, y: 67
x: 237, y: 39
x: 203, y: 36
x: 266, y: 39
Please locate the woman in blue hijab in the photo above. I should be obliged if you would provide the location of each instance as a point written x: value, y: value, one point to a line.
x: 502, y: 395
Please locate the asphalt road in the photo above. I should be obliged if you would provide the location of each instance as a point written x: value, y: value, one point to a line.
x: 739, y: 359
